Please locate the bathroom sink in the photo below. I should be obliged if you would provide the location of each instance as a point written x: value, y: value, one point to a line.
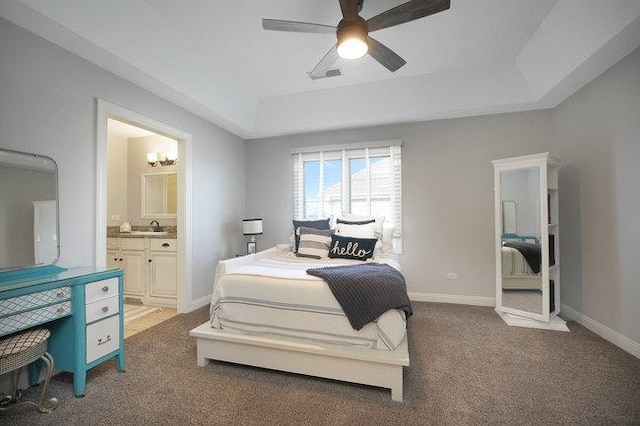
x: 148, y: 233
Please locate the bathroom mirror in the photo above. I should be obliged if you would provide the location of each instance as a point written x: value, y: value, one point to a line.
x: 28, y: 211
x: 159, y: 195
x: 521, y: 277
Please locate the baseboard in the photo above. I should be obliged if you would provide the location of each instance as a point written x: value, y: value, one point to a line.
x: 199, y: 303
x: 603, y: 331
x: 452, y: 298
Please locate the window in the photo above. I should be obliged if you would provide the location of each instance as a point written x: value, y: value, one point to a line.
x: 363, y: 179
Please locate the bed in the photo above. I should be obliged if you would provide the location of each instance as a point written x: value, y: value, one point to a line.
x: 267, y: 311
x: 521, y: 264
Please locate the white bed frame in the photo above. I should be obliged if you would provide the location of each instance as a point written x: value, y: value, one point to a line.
x: 373, y: 367
x: 521, y: 282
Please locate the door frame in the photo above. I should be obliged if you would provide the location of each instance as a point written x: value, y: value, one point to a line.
x: 106, y: 110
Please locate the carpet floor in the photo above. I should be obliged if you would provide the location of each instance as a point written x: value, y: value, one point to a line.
x: 467, y: 368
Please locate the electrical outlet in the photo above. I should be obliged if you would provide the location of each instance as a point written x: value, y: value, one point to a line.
x: 452, y: 276
x: 115, y: 217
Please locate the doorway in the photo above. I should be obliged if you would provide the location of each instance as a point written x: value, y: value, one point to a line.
x: 107, y: 111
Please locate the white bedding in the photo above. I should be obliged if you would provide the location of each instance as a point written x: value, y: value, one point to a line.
x: 271, y: 293
x: 514, y: 263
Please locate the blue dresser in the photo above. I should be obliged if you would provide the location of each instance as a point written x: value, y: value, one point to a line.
x: 82, y: 307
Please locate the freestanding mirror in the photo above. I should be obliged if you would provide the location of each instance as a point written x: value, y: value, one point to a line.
x: 28, y: 211
x: 526, y: 239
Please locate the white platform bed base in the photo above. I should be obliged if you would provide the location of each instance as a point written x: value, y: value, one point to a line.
x: 350, y: 364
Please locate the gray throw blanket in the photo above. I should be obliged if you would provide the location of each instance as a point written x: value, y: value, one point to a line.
x: 530, y: 252
x: 366, y: 291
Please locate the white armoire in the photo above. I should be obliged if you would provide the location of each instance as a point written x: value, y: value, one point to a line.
x: 527, y: 241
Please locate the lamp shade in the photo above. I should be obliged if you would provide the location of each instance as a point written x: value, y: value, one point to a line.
x: 252, y: 226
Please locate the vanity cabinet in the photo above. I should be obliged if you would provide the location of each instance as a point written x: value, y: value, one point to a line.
x: 150, y: 268
x: 527, y: 241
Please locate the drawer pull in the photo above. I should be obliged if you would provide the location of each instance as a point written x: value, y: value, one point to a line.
x: 60, y: 294
x: 105, y: 288
x: 165, y: 244
x: 105, y: 308
x: 102, y: 342
x: 60, y: 310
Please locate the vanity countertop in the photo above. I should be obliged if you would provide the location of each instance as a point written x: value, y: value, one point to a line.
x: 114, y: 232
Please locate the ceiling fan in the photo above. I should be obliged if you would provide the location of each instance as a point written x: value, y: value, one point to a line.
x: 353, y: 32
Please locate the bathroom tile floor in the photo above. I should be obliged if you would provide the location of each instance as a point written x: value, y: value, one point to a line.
x: 147, y: 321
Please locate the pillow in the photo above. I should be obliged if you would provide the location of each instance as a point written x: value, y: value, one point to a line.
x: 314, y: 243
x: 315, y: 224
x: 379, y: 222
x: 365, y: 230
x: 352, y: 248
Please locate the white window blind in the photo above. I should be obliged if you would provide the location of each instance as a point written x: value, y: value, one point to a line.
x: 362, y: 179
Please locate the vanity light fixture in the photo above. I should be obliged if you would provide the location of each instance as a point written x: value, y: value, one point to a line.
x: 165, y: 159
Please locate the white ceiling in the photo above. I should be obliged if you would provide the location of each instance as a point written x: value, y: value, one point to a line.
x: 214, y: 59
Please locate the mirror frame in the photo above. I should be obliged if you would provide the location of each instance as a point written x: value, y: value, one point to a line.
x: 27, y: 158
x: 143, y: 186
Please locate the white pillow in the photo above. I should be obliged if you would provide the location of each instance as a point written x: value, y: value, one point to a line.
x: 367, y: 230
x: 379, y: 222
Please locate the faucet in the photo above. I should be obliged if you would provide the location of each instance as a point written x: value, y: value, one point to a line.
x: 157, y: 227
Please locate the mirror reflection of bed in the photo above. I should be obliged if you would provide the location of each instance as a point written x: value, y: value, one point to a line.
x: 521, y: 279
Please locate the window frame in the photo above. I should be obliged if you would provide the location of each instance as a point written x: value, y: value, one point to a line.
x: 346, y: 152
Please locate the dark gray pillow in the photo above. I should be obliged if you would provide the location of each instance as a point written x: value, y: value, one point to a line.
x: 352, y: 248
x: 315, y: 224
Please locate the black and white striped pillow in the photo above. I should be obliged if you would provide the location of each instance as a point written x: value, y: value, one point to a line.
x: 314, y: 243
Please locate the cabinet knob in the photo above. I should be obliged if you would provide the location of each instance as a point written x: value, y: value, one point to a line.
x: 60, y: 310
x: 149, y: 260
x: 105, y: 308
x: 60, y: 294
x: 105, y: 288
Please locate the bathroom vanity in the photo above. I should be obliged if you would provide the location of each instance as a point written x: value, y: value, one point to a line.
x: 150, y: 267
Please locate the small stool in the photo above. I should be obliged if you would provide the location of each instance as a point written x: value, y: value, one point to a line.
x: 21, y: 350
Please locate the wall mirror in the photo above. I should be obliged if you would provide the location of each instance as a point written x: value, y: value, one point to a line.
x: 521, y: 257
x: 29, y: 210
x: 159, y: 195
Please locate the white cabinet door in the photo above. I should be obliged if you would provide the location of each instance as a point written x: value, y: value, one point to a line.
x: 113, y: 259
x: 134, y: 264
x: 163, y: 280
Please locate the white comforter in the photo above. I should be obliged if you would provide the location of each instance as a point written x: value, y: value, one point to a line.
x: 271, y: 293
x: 514, y: 263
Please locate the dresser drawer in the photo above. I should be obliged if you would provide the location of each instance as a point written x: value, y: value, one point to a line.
x: 132, y: 243
x: 103, y: 337
x: 34, y: 300
x: 156, y: 244
x: 100, y: 290
x: 113, y: 243
x: 101, y: 308
x: 37, y: 316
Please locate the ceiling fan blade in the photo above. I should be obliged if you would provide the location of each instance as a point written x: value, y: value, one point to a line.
x: 387, y: 57
x: 297, y: 27
x: 320, y: 70
x: 349, y: 9
x: 406, y: 12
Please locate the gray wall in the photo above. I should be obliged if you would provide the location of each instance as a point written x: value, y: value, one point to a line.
x: 48, y: 106
x: 597, y: 135
x: 447, y: 181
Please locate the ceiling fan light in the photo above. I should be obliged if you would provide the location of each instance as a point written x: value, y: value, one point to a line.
x: 352, y: 48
